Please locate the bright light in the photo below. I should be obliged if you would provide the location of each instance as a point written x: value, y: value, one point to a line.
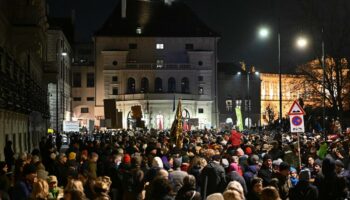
x: 257, y: 73
x: 64, y: 53
x: 238, y: 73
x: 263, y: 32
x: 302, y: 42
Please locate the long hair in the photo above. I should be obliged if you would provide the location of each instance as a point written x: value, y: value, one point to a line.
x: 40, y: 189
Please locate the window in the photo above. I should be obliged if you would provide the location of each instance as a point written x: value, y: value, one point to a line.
x: 160, y: 46
x: 115, y: 78
x: 138, y: 30
x: 158, y: 85
x: 90, y: 80
x: 200, y: 63
x: 247, y: 104
x: 76, y: 79
x: 185, y: 85
x: 160, y: 63
x: 144, y: 85
x: 200, y: 78
x: 131, y: 86
x: 76, y: 98
x: 228, y: 105
x: 115, y: 63
x: 84, y: 110
x: 115, y: 91
x: 200, y: 110
x: 189, y: 46
x: 200, y: 90
x: 238, y: 103
x: 90, y: 99
x: 132, y: 46
x: 171, y: 85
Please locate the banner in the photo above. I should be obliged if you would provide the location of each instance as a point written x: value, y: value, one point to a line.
x: 239, y: 118
x: 71, y: 126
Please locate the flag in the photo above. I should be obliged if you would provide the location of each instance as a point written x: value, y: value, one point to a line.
x: 174, y: 104
x: 239, y: 118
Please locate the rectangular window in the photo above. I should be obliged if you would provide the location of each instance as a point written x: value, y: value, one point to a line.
x: 115, y: 91
x: 200, y: 78
x: 200, y: 90
x: 160, y: 63
x: 76, y: 79
x: 189, y: 46
x: 160, y: 46
x: 200, y: 110
x: 115, y: 78
x: 132, y: 46
x: 90, y: 99
x: 90, y: 80
x: 238, y: 103
x: 84, y: 110
x: 76, y: 98
x: 229, y: 105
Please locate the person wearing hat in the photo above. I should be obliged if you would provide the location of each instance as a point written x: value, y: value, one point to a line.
x: 23, y: 188
x: 284, y: 183
x: 304, y: 189
x: 54, y: 191
x: 340, y: 170
x: 265, y: 171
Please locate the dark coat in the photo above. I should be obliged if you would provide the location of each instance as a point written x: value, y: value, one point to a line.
x: 214, y: 176
x: 265, y: 173
x: 303, y: 190
x: 234, y: 176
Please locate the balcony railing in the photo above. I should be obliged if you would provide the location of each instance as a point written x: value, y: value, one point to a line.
x: 153, y: 66
x: 151, y: 96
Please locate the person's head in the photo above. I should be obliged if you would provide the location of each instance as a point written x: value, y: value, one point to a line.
x: 234, y: 189
x: 29, y: 173
x: 189, y: 181
x: 160, y: 187
x: 94, y: 157
x: 40, y: 189
x: 267, y: 161
x: 310, y: 161
x: 270, y: 193
x: 293, y: 172
x: 318, y: 166
x: 232, y: 195
x: 74, y: 184
x: 257, y: 184
x: 72, y: 156
x: 304, y: 175
x: 73, y: 195
x: 3, y: 167
x: 102, y: 184
x: 163, y: 173
x: 215, y: 196
x: 339, y: 166
x: 284, y: 168
x: 62, y: 158
x: 52, y: 181
x: 328, y: 166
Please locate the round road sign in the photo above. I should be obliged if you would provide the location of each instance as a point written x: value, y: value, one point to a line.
x: 297, y: 121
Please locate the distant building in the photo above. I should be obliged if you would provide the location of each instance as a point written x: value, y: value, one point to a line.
x: 150, y: 53
x: 234, y: 92
x: 23, y: 97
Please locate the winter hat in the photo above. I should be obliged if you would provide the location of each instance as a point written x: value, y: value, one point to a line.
x: 304, y: 175
x: 277, y: 162
x: 292, y: 170
x: 72, y: 156
x: 127, y: 159
x: 157, y: 162
x: 52, y: 179
x: 267, y: 157
x: 284, y: 166
x: 254, y: 159
x: 29, y: 169
x: 225, y: 163
x: 185, y: 159
x: 248, y: 150
x: 318, y: 162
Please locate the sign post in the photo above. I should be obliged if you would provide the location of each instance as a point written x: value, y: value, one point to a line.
x: 296, y: 117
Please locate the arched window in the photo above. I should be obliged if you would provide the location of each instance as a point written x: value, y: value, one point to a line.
x: 131, y: 86
x: 158, y: 85
x: 144, y: 85
x: 185, y: 85
x: 171, y: 85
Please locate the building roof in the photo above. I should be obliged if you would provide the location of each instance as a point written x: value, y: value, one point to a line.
x: 156, y: 19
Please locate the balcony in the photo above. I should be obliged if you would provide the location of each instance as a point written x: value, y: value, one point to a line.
x: 153, y: 96
x: 151, y: 66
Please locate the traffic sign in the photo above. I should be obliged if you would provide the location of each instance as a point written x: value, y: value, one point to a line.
x: 296, y: 123
x: 296, y: 109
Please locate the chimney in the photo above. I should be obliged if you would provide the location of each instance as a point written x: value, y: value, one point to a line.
x: 123, y: 9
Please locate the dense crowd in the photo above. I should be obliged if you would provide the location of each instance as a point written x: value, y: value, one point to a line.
x: 136, y: 165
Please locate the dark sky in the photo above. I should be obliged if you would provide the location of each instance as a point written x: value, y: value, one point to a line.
x: 237, y: 22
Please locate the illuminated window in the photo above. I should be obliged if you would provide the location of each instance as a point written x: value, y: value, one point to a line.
x: 229, y: 105
x: 160, y: 46
x: 138, y: 30
x: 200, y: 90
x: 160, y: 63
x: 238, y: 103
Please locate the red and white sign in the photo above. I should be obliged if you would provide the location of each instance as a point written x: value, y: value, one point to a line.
x: 296, y: 117
x: 296, y: 109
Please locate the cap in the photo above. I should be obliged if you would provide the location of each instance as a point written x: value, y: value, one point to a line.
x: 284, y: 166
x: 52, y: 179
x: 127, y: 159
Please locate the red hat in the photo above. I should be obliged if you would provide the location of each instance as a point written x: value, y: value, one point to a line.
x: 127, y: 159
x: 248, y: 150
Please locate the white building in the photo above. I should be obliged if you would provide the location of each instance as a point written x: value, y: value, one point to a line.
x: 150, y: 52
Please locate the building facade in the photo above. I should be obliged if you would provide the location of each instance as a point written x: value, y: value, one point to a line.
x: 23, y: 98
x: 58, y: 77
x: 149, y: 54
x: 238, y: 89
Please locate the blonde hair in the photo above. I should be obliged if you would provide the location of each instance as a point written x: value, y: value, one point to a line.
x: 40, y: 189
x: 75, y: 185
x: 270, y: 193
x: 234, y: 189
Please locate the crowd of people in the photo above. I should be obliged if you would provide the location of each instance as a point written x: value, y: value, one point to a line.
x: 137, y: 165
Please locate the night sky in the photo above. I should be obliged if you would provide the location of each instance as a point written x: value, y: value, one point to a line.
x: 237, y: 22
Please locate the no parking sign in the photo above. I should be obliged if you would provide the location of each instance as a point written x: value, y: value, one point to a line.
x: 296, y: 117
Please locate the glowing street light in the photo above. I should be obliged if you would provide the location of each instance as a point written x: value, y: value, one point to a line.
x: 301, y: 42
x: 263, y: 32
